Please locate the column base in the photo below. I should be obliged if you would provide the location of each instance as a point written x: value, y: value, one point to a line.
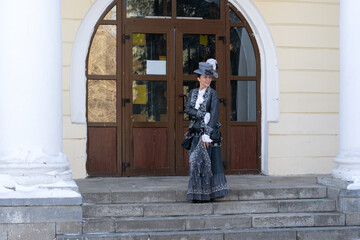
x: 36, y: 175
x: 347, y: 172
x: 348, y: 169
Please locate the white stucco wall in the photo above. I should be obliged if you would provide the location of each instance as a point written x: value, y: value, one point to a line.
x: 306, y: 35
x: 74, y: 136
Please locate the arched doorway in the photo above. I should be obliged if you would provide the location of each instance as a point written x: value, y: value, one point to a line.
x: 139, y: 71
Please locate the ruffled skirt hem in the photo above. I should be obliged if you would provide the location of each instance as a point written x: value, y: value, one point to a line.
x: 205, y: 192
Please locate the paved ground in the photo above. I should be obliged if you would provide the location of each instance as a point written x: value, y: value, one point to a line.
x: 106, y: 185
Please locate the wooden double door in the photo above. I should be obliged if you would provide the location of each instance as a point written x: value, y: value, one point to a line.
x: 157, y: 82
x: 155, y: 60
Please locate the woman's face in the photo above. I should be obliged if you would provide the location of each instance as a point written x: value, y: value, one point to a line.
x: 204, y: 81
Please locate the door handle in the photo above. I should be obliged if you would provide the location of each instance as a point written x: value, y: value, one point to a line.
x: 183, y: 96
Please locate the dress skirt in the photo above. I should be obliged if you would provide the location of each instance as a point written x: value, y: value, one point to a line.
x: 207, y: 179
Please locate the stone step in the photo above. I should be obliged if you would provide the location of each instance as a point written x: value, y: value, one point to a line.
x: 305, y: 233
x: 237, y: 192
x: 182, y: 223
x: 285, y: 220
x: 212, y: 222
x: 217, y: 208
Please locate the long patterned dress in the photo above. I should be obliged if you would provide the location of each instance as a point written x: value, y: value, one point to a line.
x: 207, y: 179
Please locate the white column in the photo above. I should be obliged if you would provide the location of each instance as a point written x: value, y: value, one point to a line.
x: 31, y: 155
x: 348, y: 159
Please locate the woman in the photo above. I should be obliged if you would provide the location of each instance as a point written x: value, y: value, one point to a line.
x: 207, y: 179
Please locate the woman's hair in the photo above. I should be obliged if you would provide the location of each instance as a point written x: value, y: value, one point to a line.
x: 197, y: 82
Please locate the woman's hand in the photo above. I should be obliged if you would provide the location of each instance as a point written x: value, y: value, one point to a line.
x: 206, y: 139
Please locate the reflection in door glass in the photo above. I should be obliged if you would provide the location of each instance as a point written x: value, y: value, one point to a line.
x: 197, y: 48
x: 149, y: 101
x: 243, y: 101
x: 202, y: 9
x: 102, y: 55
x: 187, y: 86
x: 149, y: 54
x: 233, y: 17
x: 111, y: 15
x: 101, y: 106
x: 242, y: 54
x: 148, y: 8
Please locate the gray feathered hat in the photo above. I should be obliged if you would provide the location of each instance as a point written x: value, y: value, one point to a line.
x: 207, y: 69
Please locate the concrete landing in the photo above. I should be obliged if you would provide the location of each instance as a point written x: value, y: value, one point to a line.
x: 235, y: 182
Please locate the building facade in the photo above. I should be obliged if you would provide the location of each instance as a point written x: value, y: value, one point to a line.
x: 279, y: 87
x: 298, y: 47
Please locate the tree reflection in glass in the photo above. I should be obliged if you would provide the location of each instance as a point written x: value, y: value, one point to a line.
x: 197, y: 48
x: 202, y: 9
x: 101, y: 101
x: 149, y: 8
x: 233, y: 17
x: 102, y: 56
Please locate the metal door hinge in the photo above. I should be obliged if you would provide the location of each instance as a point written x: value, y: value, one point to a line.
x: 125, y: 101
x: 222, y: 38
x: 125, y: 37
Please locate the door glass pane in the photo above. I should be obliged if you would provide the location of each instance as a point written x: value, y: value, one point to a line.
x: 201, y: 9
x: 197, y: 48
x: 243, y: 101
x: 101, y: 101
x: 233, y: 17
x: 148, y: 8
x: 149, y: 54
x: 149, y: 101
x: 111, y: 15
x: 242, y: 54
x: 102, y: 56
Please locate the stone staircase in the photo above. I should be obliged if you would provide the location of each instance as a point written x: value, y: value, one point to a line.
x: 258, y: 207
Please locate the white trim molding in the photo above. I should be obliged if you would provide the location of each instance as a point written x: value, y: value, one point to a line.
x: 270, y: 83
x: 78, y: 61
